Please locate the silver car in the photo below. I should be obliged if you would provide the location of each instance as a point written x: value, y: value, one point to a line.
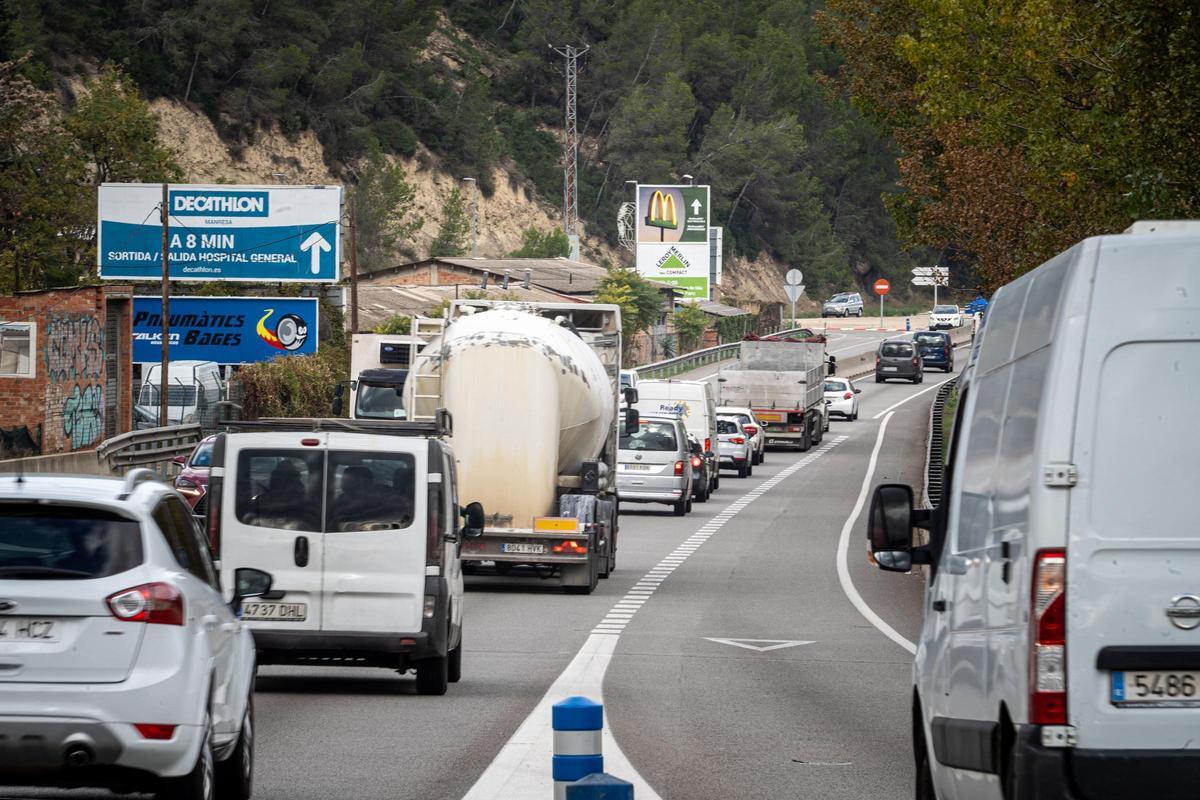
x: 653, y: 465
x: 737, y: 451
x: 846, y: 304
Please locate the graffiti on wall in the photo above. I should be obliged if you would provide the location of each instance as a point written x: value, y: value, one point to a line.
x: 74, y: 382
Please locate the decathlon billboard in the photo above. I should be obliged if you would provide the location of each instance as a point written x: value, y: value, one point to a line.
x: 230, y: 233
x: 672, y: 237
x: 227, y: 330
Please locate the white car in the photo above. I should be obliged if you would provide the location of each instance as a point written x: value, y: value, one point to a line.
x: 755, y: 431
x: 945, y: 317
x: 735, y: 451
x: 841, y: 395
x: 123, y: 666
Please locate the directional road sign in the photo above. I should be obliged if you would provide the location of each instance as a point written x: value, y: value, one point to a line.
x: 794, y: 292
x: 794, y: 277
x: 930, y: 281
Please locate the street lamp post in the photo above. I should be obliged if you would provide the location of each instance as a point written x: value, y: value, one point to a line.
x: 474, y: 215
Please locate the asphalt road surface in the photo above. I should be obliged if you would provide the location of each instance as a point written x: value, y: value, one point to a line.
x: 758, y: 715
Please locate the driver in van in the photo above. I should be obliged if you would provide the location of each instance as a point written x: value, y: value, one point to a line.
x: 285, y: 492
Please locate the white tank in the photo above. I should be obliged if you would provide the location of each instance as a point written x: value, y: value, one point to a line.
x: 530, y: 400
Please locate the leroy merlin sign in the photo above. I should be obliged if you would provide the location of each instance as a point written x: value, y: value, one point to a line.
x: 672, y: 236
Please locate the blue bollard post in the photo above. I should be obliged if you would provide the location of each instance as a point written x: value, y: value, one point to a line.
x: 908, y: 323
x: 600, y: 787
x: 577, y: 723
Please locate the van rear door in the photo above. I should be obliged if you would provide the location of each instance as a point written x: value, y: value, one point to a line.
x: 375, y: 540
x: 1133, y: 559
x: 271, y: 519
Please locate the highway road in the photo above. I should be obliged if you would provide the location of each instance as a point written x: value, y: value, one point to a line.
x: 731, y: 658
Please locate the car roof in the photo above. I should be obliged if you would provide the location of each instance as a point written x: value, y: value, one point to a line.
x: 90, y: 489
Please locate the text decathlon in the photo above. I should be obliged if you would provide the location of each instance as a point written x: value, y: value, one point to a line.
x: 225, y: 204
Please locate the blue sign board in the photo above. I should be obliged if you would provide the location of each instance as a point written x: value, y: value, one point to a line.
x: 252, y: 233
x: 227, y: 330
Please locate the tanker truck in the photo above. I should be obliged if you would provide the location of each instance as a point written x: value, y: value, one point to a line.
x: 534, y: 392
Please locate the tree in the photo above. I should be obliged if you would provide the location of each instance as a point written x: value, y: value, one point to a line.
x: 640, y: 302
x: 395, y: 324
x: 384, y: 213
x: 452, y: 235
x: 551, y: 244
x: 690, y: 324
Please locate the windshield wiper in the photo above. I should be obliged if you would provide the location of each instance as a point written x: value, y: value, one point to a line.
x: 42, y: 572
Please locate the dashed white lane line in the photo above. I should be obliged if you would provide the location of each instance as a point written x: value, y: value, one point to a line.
x: 521, y: 770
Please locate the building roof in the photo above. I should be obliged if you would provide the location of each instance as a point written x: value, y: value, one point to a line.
x: 720, y: 309
x: 557, y: 274
x: 379, y: 302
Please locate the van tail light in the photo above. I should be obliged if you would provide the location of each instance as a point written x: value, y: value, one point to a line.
x: 697, y: 461
x: 848, y: 396
x: 738, y: 440
x: 947, y: 351
x: 1048, y: 621
x: 678, y: 467
x: 154, y: 603
x: 212, y: 519
x: 571, y: 547
x: 707, y: 445
x: 750, y: 430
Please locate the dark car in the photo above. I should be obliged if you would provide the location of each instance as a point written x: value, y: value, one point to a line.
x: 192, y: 480
x: 936, y: 349
x: 701, y: 469
x: 898, y: 358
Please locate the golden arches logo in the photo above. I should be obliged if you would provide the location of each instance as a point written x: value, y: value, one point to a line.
x: 661, y: 212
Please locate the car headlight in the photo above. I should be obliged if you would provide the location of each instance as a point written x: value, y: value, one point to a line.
x: 184, y: 483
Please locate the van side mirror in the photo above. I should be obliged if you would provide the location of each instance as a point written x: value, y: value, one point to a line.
x: 339, y: 392
x: 247, y: 583
x: 890, y: 528
x: 631, y: 421
x: 630, y: 394
x: 473, y: 520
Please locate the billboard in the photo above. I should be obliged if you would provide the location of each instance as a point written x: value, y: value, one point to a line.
x: 227, y: 330
x: 672, y: 237
x: 232, y: 233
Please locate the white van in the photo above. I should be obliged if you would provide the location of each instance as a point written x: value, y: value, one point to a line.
x: 692, y: 402
x: 360, y: 524
x: 193, y: 389
x: 1060, y: 650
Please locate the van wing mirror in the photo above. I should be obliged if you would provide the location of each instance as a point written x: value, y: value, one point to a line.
x: 890, y: 528
x: 832, y: 365
x: 473, y: 520
x: 631, y: 421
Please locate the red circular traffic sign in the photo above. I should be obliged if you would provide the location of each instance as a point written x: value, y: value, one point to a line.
x: 882, y: 286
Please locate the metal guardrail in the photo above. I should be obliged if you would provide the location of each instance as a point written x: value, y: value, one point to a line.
x: 694, y: 359
x: 935, y: 451
x: 153, y: 447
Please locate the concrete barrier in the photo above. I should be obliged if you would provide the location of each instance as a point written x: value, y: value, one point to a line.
x: 81, y: 462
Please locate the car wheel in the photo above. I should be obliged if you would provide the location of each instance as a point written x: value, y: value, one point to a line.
x: 681, y: 507
x: 750, y: 470
x: 433, y: 675
x: 879, y: 379
x: 235, y: 775
x: 742, y: 472
x: 200, y: 783
x: 454, y: 662
x: 924, y: 787
x: 854, y: 416
x: 716, y: 484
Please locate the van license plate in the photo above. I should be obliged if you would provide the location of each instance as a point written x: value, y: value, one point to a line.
x: 523, y: 547
x: 889, y: 369
x: 1148, y: 689
x: 25, y: 629
x: 636, y: 467
x: 275, y: 612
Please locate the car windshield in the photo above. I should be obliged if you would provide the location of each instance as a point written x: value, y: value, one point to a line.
x: 727, y: 425
x: 840, y: 298
x: 896, y: 349
x: 650, y: 435
x: 203, y: 456
x: 930, y: 338
x: 380, y: 402
x: 945, y: 310
x: 61, y: 542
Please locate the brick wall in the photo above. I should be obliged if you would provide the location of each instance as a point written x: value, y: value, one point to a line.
x: 63, y: 405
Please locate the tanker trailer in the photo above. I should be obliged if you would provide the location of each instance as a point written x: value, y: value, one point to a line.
x: 533, y: 390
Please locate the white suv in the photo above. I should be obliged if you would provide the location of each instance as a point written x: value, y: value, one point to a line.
x: 120, y: 665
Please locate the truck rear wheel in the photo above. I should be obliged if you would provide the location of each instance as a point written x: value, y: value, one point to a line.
x: 593, y: 580
x: 806, y: 438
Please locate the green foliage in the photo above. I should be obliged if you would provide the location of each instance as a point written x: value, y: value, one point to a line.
x: 395, y: 324
x: 452, y: 236
x: 690, y: 324
x: 293, y: 386
x: 734, y: 329
x: 640, y: 302
x: 384, y: 213
x: 535, y: 244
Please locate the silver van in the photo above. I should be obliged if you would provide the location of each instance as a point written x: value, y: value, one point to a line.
x: 653, y: 465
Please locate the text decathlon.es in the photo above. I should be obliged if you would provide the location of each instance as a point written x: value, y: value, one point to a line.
x: 224, y: 204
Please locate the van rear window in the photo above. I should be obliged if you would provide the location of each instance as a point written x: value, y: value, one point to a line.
x: 370, y: 491
x: 65, y: 542
x: 280, y: 489
x: 896, y: 349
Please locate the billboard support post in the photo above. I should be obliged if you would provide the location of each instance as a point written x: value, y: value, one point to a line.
x: 163, y: 384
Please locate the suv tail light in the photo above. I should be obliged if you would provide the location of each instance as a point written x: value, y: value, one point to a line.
x: 878, y: 360
x: 678, y: 467
x: 750, y: 430
x: 154, y: 603
x: 848, y: 396
x: 1048, y: 620
x: 738, y: 440
x: 707, y: 444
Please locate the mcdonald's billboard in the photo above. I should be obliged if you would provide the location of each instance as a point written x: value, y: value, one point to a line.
x: 672, y: 237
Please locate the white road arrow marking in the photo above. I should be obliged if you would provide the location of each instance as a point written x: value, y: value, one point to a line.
x: 315, y: 243
x: 696, y: 206
x: 763, y: 644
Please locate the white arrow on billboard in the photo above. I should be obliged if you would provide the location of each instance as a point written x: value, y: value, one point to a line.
x: 794, y: 277
x: 696, y: 206
x: 315, y: 244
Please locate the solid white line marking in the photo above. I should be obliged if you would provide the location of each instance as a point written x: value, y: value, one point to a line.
x: 894, y: 406
x: 843, y: 566
x: 521, y: 770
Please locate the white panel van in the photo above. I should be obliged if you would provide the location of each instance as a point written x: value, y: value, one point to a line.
x: 693, y: 403
x: 1060, y: 650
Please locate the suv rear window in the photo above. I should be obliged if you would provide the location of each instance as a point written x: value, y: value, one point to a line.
x: 726, y: 425
x: 931, y: 338
x: 66, y: 542
x: 653, y: 436
x: 896, y: 349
